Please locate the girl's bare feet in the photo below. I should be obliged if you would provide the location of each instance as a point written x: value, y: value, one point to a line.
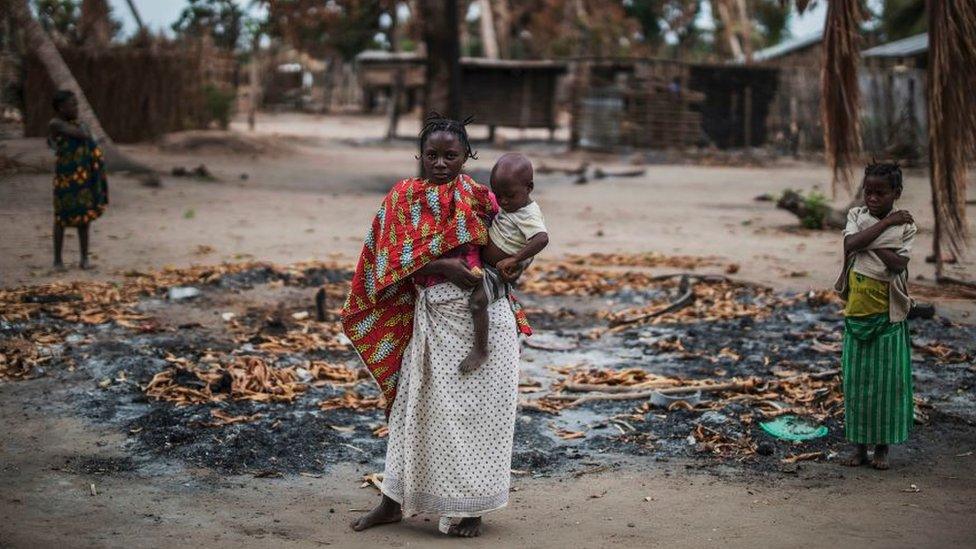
x: 469, y: 527
x: 386, y: 512
x: 880, y: 460
x: 858, y: 457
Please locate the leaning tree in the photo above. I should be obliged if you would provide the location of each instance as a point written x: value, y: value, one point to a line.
x: 41, y: 45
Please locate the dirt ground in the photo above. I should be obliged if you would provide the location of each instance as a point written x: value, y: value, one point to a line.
x: 311, y: 187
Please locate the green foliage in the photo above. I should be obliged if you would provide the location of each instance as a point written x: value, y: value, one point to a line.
x: 816, y: 210
x: 902, y: 18
x: 219, y: 105
x: 222, y: 19
x: 648, y: 13
x: 62, y: 19
x: 59, y: 16
x: 323, y: 28
x: 772, y: 19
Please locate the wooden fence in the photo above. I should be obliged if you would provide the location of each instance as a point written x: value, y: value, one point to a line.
x: 137, y: 93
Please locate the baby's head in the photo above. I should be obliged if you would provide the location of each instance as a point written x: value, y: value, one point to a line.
x: 511, y: 181
x: 882, y: 186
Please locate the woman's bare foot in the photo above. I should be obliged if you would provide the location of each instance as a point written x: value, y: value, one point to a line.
x: 474, y: 360
x: 469, y: 527
x: 880, y: 459
x: 858, y: 457
x: 386, y: 512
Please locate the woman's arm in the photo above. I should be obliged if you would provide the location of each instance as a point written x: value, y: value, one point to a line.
x: 892, y: 260
x: 859, y: 241
x: 453, y: 269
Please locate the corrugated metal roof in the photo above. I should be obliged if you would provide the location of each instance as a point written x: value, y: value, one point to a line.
x: 906, y: 47
x: 788, y: 46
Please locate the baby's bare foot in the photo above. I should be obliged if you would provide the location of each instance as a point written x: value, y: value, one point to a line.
x: 474, y: 360
x: 469, y: 527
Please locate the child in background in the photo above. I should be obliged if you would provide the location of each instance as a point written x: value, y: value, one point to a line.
x: 80, y: 186
x: 876, y: 357
x: 516, y: 235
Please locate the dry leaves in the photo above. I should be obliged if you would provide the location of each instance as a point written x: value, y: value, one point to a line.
x: 244, y: 378
x: 714, y: 300
x: 808, y: 456
x: 324, y: 373
x: 943, y: 353
x: 221, y: 418
x: 352, y: 400
x: 627, y: 377
x: 720, y: 444
x: 18, y: 357
x: 648, y: 259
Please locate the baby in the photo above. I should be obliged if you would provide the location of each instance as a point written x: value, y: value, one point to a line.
x: 516, y: 235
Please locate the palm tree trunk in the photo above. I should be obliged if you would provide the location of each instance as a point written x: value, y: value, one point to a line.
x: 952, y: 120
x: 95, y: 24
x: 503, y: 27
x: 489, y: 41
x: 440, y: 30
x: 254, y: 75
x: 136, y: 16
x: 45, y: 50
x: 839, y: 93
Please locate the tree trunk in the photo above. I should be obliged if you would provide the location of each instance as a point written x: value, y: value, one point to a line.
x: 503, y: 27
x: 396, y: 94
x: 489, y: 41
x: 440, y: 31
x: 95, y: 25
x: 721, y: 9
x: 136, y: 16
x: 254, y: 75
x: 42, y: 46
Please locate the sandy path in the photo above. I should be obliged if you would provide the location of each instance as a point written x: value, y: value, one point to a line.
x: 312, y: 199
x: 42, y: 505
x: 315, y: 191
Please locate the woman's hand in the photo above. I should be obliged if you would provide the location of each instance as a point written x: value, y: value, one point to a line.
x: 457, y: 273
x: 511, y: 274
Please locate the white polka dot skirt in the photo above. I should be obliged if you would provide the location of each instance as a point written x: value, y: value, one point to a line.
x: 450, y: 446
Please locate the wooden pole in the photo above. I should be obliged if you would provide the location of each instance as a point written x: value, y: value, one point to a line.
x: 489, y: 40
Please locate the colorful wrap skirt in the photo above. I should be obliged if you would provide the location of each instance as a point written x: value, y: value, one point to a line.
x: 80, y: 185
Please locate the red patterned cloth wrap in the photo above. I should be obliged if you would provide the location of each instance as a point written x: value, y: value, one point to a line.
x: 418, y: 222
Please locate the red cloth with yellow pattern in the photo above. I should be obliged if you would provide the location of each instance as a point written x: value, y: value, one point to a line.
x: 418, y: 222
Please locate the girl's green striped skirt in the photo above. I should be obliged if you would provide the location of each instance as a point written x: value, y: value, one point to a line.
x: 877, y: 380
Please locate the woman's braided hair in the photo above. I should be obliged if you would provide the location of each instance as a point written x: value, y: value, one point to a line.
x: 435, y: 122
x: 889, y: 171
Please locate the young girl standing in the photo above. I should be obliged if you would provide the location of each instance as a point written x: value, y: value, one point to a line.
x: 876, y: 357
x: 80, y: 186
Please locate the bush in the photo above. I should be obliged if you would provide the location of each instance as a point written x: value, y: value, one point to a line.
x: 816, y: 210
x: 218, y: 106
